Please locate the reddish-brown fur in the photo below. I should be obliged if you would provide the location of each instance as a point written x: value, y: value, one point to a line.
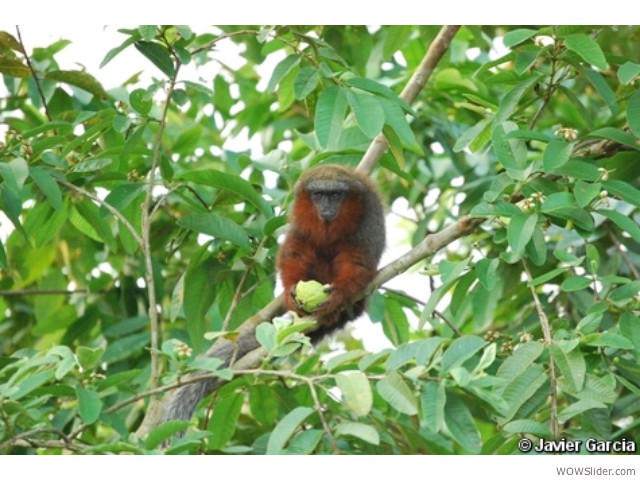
x: 343, y: 253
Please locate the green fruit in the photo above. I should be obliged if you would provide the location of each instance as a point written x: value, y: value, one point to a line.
x: 310, y: 294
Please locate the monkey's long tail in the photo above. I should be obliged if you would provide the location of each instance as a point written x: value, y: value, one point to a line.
x: 184, y: 400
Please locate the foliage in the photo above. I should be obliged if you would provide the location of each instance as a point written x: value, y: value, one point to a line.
x: 532, y: 326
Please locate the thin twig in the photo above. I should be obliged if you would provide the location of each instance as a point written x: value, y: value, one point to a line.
x: 33, y: 72
x: 147, y: 211
x: 417, y: 301
x: 623, y: 254
x: 29, y: 442
x: 116, y: 213
x: 314, y: 394
x: 546, y: 333
x: 26, y: 292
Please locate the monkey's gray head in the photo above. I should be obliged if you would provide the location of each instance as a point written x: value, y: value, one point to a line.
x: 327, y: 196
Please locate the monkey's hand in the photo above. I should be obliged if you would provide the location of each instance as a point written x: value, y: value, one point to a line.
x: 309, y: 296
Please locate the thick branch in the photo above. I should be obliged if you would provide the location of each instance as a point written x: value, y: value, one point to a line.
x: 146, y: 237
x: 436, y: 51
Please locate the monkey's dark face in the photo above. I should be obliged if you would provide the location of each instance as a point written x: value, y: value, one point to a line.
x: 327, y: 196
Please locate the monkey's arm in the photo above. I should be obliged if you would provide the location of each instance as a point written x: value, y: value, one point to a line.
x: 353, y: 271
x: 296, y: 263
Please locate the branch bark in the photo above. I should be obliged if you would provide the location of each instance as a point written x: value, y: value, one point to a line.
x: 418, y: 80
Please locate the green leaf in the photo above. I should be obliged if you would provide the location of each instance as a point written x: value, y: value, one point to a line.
x: 625, y: 223
x: 469, y: 135
x: 578, y: 408
x: 574, y: 284
x: 461, y: 425
x: 589, y: 323
x: 266, y: 336
x: 374, y: 87
x: 572, y: 365
x: 498, y: 209
x: 544, y: 278
x: 488, y: 272
x: 224, y: 419
x: 633, y: 114
x: 330, y: 112
x: 616, y: 135
x: 207, y: 364
x: 158, y: 55
x: 624, y: 191
x: 528, y: 426
x: 613, y: 340
x: 232, y: 183
x: 89, y: 221
x: 368, y: 112
x: 396, y: 119
x: 140, y: 101
x: 630, y: 328
x: 397, y: 36
x: 580, y: 170
x: 587, y: 48
x: 585, y: 192
x: 264, y: 405
x: 397, y: 393
x: 79, y: 79
x: 306, y: 82
x: 281, y: 70
x: 433, y: 398
x: 520, y: 230
x: 503, y: 150
x: 556, y: 154
x: 15, y: 173
x: 286, y: 428
x: 460, y: 350
x: 356, y: 391
x: 13, y: 67
x: 525, y: 60
x: 91, y: 165
x: 359, y: 430
x: 521, y: 359
x: 305, y: 442
x: 521, y: 388
x: 603, y: 88
x: 88, y: 358
x: 222, y: 98
x: 111, y: 54
x: 89, y: 405
x: 147, y: 32
x: 216, y: 226
x: 509, y: 103
x: 9, y: 41
x: 519, y: 35
x: 625, y: 292
x: 627, y: 72
x: 163, y: 432
x: 30, y: 383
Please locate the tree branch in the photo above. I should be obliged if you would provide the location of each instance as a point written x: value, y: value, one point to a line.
x: 114, y: 211
x: 33, y: 72
x: 147, y: 213
x: 436, y: 51
x: 546, y: 332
